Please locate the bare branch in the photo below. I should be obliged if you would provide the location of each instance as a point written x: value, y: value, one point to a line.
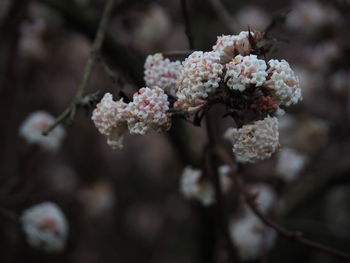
x: 224, y: 16
x: 188, y: 28
x: 70, y: 111
x: 292, y: 235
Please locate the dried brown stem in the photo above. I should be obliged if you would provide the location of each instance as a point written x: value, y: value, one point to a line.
x: 70, y: 111
x: 292, y: 235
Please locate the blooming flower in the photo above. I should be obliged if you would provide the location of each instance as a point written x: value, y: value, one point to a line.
x: 33, y: 127
x: 109, y: 117
x: 162, y: 73
x: 283, y: 83
x: 245, y: 70
x: 148, y: 111
x: 229, y: 46
x: 256, y: 141
x: 199, y: 76
x: 45, y: 227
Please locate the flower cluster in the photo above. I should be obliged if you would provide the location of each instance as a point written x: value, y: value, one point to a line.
x: 162, y: 73
x: 148, y: 110
x: 245, y: 70
x: 256, y: 141
x: 45, y: 227
x: 231, y: 74
x: 200, y: 75
x: 195, y: 186
x: 33, y: 127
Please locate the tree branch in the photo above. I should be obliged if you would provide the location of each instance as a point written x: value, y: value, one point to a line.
x: 223, y: 16
x: 212, y: 170
x: 188, y: 28
x: 292, y: 235
x: 70, y: 111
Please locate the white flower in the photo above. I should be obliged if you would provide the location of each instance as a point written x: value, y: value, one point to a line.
x: 109, y: 117
x: 230, y: 46
x: 283, y: 83
x: 199, y: 76
x: 251, y: 236
x: 194, y: 186
x: 310, y: 15
x: 256, y: 141
x: 266, y: 197
x: 32, y: 128
x: 162, y: 73
x: 45, y: 227
x: 245, y: 70
x: 289, y: 164
x: 253, y: 16
x: 148, y: 111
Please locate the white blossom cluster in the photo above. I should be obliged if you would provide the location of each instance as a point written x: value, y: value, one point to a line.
x: 245, y: 70
x: 251, y: 236
x: 162, y: 73
x: 195, y: 186
x: 256, y: 141
x: 283, y: 83
x: 230, y: 46
x: 32, y: 128
x: 200, y: 75
x: 148, y: 110
x: 45, y: 227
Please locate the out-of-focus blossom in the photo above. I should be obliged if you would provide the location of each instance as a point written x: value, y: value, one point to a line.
x: 98, y: 199
x: 32, y: 128
x: 266, y: 197
x: 252, y: 16
x: 251, y: 236
x: 45, y: 227
x: 340, y: 81
x: 162, y: 73
x: 194, y: 185
x: 321, y: 55
x: 30, y: 43
x: 289, y: 164
x: 256, y: 141
x: 303, y: 134
x: 307, y: 16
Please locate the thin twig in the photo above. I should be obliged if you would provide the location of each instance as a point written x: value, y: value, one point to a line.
x: 188, y: 28
x: 292, y: 235
x: 224, y: 16
x: 70, y: 111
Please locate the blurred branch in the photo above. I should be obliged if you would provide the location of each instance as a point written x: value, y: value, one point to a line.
x: 78, y: 99
x: 212, y: 169
x: 223, y: 16
x: 86, y: 22
x: 292, y: 235
x: 188, y: 26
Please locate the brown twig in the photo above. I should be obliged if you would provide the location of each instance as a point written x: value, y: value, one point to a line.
x: 223, y: 15
x: 188, y: 28
x: 70, y: 111
x: 292, y: 235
